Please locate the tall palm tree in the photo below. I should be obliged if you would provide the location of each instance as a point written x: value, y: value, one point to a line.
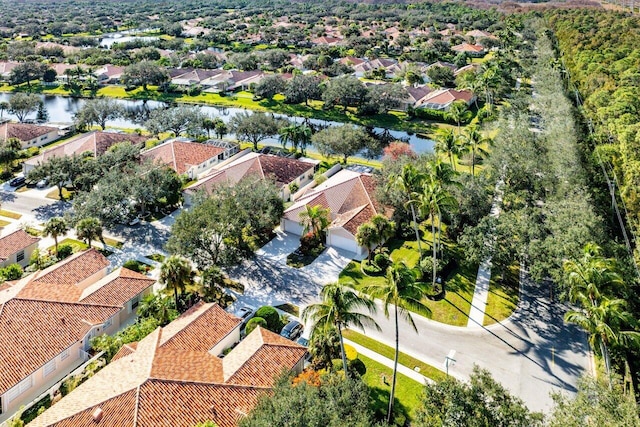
x: 289, y: 135
x: 473, y: 139
x: 458, y: 111
x: 176, y: 273
x: 603, y: 320
x: 315, y: 219
x: 401, y: 290
x: 432, y: 201
x: 340, y: 307
x: 55, y: 228
x: 385, y: 229
x: 448, y: 143
x: 367, y: 236
x: 89, y: 229
x: 304, y: 137
x: 409, y: 182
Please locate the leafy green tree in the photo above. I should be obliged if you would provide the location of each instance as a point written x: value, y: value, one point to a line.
x: 254, y: 127
x: 302, y: 88
x: 220, y: 128
x: 9, y: 152
x: 176, y: 273
x: 269, y: 86
x: 4, y: 106
x: 480, y: 402
x: 159, y: 307
x: 402, y: 291
x: 143, y: 73
x: 344, y: 141
x: 340, y: 307
x: 441, y: 76
x: 55, y: 227
x: 334, y: 402
x: 25, y: 72
x: 367, y: 236
x: 383, y: 98
x: 458, y: 112
x: 22, y: 104
x: 272, y: 317
x: 178, y: 120
x: 98, y: 111
x: 345, y: 91
x: 89, y: 229
x: 315, y: 219
x: 253, y: 323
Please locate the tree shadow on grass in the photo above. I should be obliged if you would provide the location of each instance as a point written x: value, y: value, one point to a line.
x: 379, y: 404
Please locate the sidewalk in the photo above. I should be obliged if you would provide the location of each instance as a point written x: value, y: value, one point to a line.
x: 481, y: 292
x: 389, y: 363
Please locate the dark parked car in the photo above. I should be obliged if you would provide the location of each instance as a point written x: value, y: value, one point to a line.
x: 292, y: 330
x: 245, y: 313
x: 18, y: 181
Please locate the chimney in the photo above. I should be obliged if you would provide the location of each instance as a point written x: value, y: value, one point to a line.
x: 97, y: 415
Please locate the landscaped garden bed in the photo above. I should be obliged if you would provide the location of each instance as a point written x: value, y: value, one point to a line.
x: 138, y: 266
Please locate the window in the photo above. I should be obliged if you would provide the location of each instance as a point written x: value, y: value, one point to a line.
x: 50, y: 367
x: 108, y: 323
x: 20, y: 256
x: 23, y: 386
x: 64, y: 354
x: 221, y: 156
x: 134, y: 303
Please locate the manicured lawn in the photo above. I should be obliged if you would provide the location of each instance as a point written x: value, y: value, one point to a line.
x: 55, y: 195
x: 454, y: 308
x: 9, y: 214
x: 77, y: 245
x: 292, y: 309
x: 113, y: 243
x: 378, y: 378
x: 4, y: 223
x: 389, y: 352
x: 503, y: 295
x: 156, y: 257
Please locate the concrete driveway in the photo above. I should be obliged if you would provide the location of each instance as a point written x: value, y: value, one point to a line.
x: 269, y: 280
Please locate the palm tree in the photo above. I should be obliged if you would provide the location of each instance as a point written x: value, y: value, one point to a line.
x: 432, y: 201
x: 473, y: 139
x: 385, y: 229
x: 315, y: 219
x: 89, y: 229
x: 208, y: 124
x: 447, y: 142
x: 55, y: 228
x: 220, y: 127
x: 304, y: 137
x: 176, y: 273
x: 288, y: 135
x: 367, y: 236
x: 458, y: 111
x: 401, y: 290
x: 409, y: 182
x: 603, y: 320
x: 340, y: 307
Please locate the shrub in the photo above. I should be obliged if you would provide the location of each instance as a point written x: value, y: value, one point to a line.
x: 253, y: 323
x: 382, y: 261
x: 12, y: 272
x: 350, y: 352
x: 357, y: 365
x: 64, y: 251
x: 308, y: 243
x: 293, y: 187
x: 271, y: 316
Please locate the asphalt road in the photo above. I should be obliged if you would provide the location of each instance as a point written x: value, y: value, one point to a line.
x: 533, y: 353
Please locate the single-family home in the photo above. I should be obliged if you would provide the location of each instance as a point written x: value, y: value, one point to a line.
x: 47, y: 321
x: 190, y: 77
x: 474, y: 50
x: 109, y: 74
x: 176, y: 376
x: 327, y: 41
x: 30, y: 135
x: 95, y: 143
x: 415, y: 94
x: 479, y: 34
x: 349, y: 197
x: 5, y: 69
x: 190, y: 158
x: 17, y: 247
x: 443, y: 98
x: 288, y: 174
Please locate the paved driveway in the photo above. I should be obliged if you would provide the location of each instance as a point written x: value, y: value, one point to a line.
x: 269, y: 280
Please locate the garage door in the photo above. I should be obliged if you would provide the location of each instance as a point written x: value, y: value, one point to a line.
x: 292, y: 227
x: 343, y: 243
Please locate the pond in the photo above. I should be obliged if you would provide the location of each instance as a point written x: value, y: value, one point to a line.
x: 62, y: 109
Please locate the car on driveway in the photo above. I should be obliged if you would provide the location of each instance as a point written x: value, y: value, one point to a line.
x: 43, y: 183
x: 18, y: 181
x: 292, y: 330
x: 245, y: 313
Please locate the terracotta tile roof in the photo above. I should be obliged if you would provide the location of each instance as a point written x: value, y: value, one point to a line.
x: 207, y: 326
x: 353, y: 219
x: 466, y: 47
x: 61, y: 281
x: 417, y: 93
x: 125, y: 350
x: 15, y: 242
x: 193, y: 366
x: 445, y: 97
x: 23, y: 131
x: 181, y: 156
x: 117, y: 288
x: 283, y: 169
x: 118, y: 411
x: 34, y: 332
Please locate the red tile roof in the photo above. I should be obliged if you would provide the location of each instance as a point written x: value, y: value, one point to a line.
x: 34, y: 332
x: 181, y: 156
x: 117, y: 288
x: 116, y: 412
x: 23, y: 131
x: 15, y: 242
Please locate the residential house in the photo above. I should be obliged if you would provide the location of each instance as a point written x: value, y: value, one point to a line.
x: 176, y: 377
x: 95, y: 143
x: 327, y: 41
x: 5, y: 69
x: 443, y: 98
x: 190, y: 77
x: 30, y: 135
x: 390, y: 66
x: 288, y: 174
x: 189, y: 158
x: 17, y: 247
x: 479, y: 34
x: 474, y: 50
x: 349, y: 196
x: 466, y: 68
x: 415, y: 94
x: 109, y: 74
x: 47, y: 321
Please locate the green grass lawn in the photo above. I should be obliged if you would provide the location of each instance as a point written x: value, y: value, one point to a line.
x: 113, y: 243
x: 4, y: 223
x: 378, y: 378
x: 9, y: 214
x: 454, y: 308
x: 389, y: 352
x: 77, y: 245
x: 55, y: 195
x: 503, y: 295
x: 156, y: 257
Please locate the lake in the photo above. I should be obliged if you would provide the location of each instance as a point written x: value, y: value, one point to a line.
x: 63, y: 109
